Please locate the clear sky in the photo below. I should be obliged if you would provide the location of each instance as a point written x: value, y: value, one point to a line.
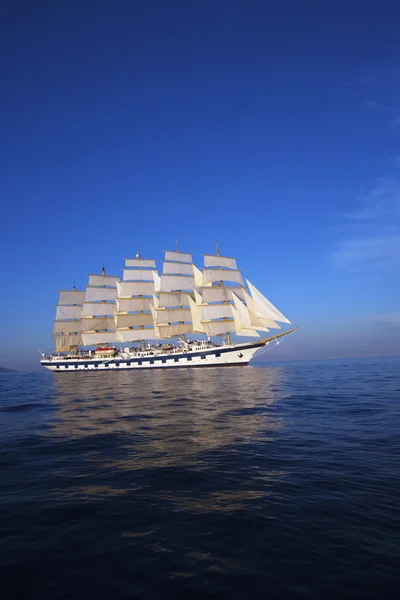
x: 273, y: 127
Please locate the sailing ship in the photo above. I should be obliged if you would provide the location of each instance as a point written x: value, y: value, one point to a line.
x: 157, y: 312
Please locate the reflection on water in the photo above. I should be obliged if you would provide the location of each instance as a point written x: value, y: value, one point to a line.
x: 167, y: 419
x: 179, y: 415
x: 277, y: 482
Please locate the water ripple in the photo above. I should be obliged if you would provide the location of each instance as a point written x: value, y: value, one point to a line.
x: 245, y: 482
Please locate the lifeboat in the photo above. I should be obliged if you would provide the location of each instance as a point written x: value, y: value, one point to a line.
x: 105, y: 352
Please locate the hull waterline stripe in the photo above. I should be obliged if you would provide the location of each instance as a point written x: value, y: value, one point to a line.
x: 183, y: 366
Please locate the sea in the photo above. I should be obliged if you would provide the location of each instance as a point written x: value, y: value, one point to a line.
x: 268, y: 481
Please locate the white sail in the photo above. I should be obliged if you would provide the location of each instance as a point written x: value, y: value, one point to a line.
x: 157, y: 281
x: 264, y: 306
x: 260, y: 323
x: 216, y: 311
x: 132, y: 320
x: 68, y: 312
x: 188, y: 301
x: 219, y: 327
x: 240, y: 330
x: 218, y: 293
x: 133, y: 335
x: 101, y: 337
x: 67, y: 327
x: 173, y: 299
x: 153, y: 308
x: 198, y: 277
x: 233, y: 275
x: 132, y: 304
x: 178, y: 256
x: 135, y: 288
x: 98, y: 309
x: 177, y: 268
x: 176, y: 282
x: 93, y: 324
x: 167, y: 331
x: 210, y: 260
x: 100, y: 293
x: 103, y: 280
x: 173, y: 315
x: 64, y: 343
x: 242, y: 317
x: 198, y: 299
x: 140, y: 262
x: 243, y: 312
x: 137, y: 275
x: 197, y: 325
x: 71, y: 297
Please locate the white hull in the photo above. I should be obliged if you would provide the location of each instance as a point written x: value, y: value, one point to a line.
x: 217, y: 356
x: 220, y: 356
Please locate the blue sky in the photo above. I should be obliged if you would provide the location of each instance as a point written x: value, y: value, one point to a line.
x: 272, y: 127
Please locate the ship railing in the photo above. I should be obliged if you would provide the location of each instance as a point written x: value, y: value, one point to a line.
x: 152, y: 351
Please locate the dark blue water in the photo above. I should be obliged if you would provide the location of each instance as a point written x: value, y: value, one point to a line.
x: 272, y: 482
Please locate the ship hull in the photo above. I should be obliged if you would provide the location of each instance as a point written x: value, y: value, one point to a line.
x: 233, y: 355
x: 220, y: 356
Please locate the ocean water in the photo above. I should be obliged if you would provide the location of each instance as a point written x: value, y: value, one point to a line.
x: 278, y: 481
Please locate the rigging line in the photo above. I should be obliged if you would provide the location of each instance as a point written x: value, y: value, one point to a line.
x: 269, y: 345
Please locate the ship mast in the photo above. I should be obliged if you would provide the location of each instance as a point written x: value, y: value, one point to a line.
x: 98, y: 310
x: 221, y: 313
x: 68, y: 322
x: 133, y: 317
x: 173, y: 315
x: 221, y: 283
